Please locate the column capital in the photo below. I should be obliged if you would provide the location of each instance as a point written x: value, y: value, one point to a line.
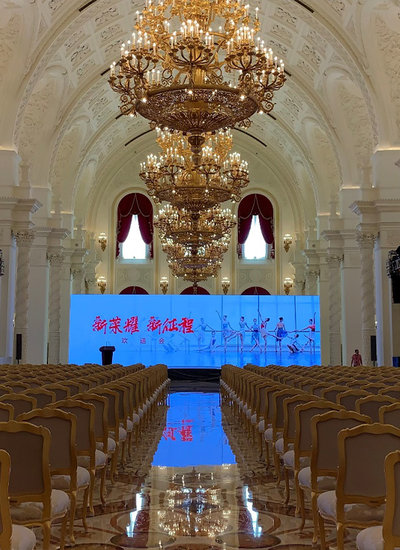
x: 366, y: 239
x: 333, y: 260
x: 77, y: 271
x: 24, y: 238
x: 55, y: 259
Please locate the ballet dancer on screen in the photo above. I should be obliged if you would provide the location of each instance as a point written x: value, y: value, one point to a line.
x: 255, y: 335
x: 212, y: 344
x: 241, y: 332
x: 310, y: 335
x: 263, y: 329
x: 226, y: 328
x: 280, y: 332
x: 202, y: 329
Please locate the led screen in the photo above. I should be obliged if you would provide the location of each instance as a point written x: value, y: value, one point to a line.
x: 196, y: 331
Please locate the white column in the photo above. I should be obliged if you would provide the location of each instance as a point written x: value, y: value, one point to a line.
x: 56, y: 259
x: 366, y: 242
x: 333, y: 263
x: 311, y: 286
x: 24, y: 239
x: 77, y: 273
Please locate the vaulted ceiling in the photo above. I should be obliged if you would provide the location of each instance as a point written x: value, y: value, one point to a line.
x: 341, y: 100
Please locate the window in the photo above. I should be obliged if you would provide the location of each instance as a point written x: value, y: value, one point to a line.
x: 134, y: 247
x: 255, y: 247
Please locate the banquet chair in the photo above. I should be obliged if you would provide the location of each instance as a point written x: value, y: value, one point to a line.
x: 85, y: 440
x: 331, y: 393
x: 349, y: 397
x: 391, y: 391
x: 17, y: 387
x: 65, y: 473
x: 43, y: 397
x: 32, y: 501
x: 390, y: 414
x: 4, y: 389
x: 386, y: 537
x: 21, y: 403
x: 359, y: 498
x: 100, y: 404
x: 370, y: 405
x: 321, y: 475
x: 6, y: 412
x: 61, y: 391
x: 300, y: 456
x: 12, y: 537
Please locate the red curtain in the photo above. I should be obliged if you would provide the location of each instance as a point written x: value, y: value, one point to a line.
x: 190, y: 290
x: 135, y: 204
x: 134, y: 290
x: 256, y: 205
x: 255, y: 291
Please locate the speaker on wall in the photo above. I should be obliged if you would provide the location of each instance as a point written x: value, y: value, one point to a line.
x: 18, y: 347
x: 373, y: 348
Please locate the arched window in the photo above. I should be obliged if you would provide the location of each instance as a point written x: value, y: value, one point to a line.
x: 134, y: 228
x: 255, y: 291
x: 190, y: 290
x: 134, y: 290
x: 256, y: 228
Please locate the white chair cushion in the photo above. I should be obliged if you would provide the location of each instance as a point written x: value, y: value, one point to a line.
x: 279, y: 446
x: 63, y: 482
x: 111, y: 445
x: 100, y: 459
x: 129, y: 425
x: 370, y: 539
x: 324, y: 483
x: 269, y: 432
x: 288, y: 460
x: 362, y: 512
x: 254, y: 419
x: 140, y: 412
x: 135, y: 418
x: 249, y: 413
x: 22, y: 538
x: 33, y: 510
x: 261, y: 426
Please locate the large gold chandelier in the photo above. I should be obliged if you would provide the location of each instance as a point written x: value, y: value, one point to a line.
x: 196, y: 66
x: 195, y: 182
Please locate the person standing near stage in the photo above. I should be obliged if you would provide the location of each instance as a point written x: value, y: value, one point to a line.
x: 356, y: 359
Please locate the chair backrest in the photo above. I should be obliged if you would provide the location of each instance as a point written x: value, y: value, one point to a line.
x: 324, y: 431
x: 21, y: 403
x: 289, y: 406
x: 43, y: 397
x: 391, y: 521
x: 393, y: 391
x: 113, y: 408
x: 370, y: 405
x: 4, y: 389
x: 85, y: 416
x: 362, y: 452
x: 374, y: 387
x: 17, y: 387
x: 303, y: 415
x: 390, y: 414
x: 5, y: 518
x: 29, y: 449
x: 331, y: 393
x: 61, y: 391
x: 100, y: 404
x: 62, y: 427
x: 6, y: 412
x: 348, y: 398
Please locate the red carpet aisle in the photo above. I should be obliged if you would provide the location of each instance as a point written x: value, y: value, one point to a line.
x: 196, y: 483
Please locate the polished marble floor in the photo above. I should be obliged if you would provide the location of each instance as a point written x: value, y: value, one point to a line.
x: 196, y: 481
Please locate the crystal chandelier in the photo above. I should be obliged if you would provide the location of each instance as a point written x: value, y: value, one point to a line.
x: 195, y: 182
x: 194, y: 229
x: 196, y: 66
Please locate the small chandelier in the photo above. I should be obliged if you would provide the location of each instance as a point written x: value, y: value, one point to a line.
x: 196, y: 66
x: 199, y: 182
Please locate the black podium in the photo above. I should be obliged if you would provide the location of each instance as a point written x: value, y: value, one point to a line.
x: 107, y: 354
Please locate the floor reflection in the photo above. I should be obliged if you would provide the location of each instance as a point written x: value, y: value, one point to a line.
x: 202, y: 489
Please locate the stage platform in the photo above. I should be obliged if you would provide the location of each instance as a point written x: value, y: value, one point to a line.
x: 199, y: 375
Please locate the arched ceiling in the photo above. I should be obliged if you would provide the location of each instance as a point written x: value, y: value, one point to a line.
x: 62, y: 117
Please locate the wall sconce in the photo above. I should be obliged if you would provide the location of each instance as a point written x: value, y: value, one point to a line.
x: 287, y: 285
x: 103, y: 241
x: 225, y: 284
x: 287, y: 241
x: 164, y: 285
x: 102, y: 284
